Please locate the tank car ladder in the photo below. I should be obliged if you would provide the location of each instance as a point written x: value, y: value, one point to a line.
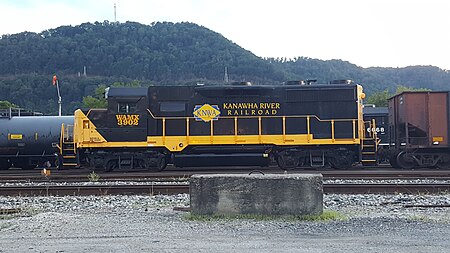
x: 369, y: 145
x: 68, y: 154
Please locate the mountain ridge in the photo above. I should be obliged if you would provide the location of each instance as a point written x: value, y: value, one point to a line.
x: 164, y: 53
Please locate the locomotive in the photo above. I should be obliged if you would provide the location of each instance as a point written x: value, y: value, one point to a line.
x: 296, y: 124
x: 28, y: 140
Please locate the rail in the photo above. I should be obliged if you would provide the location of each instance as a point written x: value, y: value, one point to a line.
x: 171, y: 189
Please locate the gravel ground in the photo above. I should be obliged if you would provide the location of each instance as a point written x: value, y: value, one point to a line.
x: 373, y: 223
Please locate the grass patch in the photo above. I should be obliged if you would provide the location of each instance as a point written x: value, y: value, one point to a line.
x: 11, y: 213
x: 325, y: 216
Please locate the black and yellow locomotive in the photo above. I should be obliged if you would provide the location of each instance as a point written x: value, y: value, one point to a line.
x: 228, y: 124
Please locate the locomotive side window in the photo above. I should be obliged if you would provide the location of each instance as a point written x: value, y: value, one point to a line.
x: 126, y: 107
x: 172, y: 107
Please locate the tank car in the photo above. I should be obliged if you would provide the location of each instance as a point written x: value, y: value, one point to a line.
x: 295, y: 125
x: 419, y: 130
x: 30, y: 141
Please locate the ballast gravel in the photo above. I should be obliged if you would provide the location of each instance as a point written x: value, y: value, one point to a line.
x: 372, y: 223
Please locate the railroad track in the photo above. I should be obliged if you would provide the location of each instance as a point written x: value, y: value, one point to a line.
x: 170, y: 189
x: 176, y: 175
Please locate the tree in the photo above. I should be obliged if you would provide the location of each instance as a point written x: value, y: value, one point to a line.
x: 98, y: 100
x: 401, y: 88
x: 380, y: 99
x: 4, y: 104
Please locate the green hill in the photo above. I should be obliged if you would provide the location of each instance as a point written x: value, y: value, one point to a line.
x: 162, y: 53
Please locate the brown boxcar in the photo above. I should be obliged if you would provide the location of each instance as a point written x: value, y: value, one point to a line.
x: 419, y: 129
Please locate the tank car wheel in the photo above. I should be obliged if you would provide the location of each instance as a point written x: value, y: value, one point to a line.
x: 444, y: 162
x: 5, y: 164
x: 25, y: 165
x: 405, y: 160
x: 287, y: 162
x: 58, y: 163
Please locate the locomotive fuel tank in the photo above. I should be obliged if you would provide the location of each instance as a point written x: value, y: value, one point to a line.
x: 26, y: 141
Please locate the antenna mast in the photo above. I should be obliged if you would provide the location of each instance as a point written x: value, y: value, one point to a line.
x: 115, y: 13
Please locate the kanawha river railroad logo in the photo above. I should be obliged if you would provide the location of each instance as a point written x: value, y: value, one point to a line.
x: 206, y: 112
x: 251, y: 109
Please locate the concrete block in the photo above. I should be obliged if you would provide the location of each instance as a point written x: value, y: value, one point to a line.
x: 273, y: 194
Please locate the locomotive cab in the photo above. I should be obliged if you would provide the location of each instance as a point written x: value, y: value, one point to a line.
x: 127, y: 114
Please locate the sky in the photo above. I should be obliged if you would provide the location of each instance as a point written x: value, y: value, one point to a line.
x: 368, y: 33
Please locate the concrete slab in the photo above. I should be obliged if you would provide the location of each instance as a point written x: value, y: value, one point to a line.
x: 273, y: 194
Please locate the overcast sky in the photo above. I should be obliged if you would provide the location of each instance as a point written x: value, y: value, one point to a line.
x: 386, y: 33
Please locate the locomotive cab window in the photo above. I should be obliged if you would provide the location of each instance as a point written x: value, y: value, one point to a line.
x: 126, y: 107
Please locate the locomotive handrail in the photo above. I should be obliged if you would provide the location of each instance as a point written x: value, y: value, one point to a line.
x: 61, y: 138
x: 372, y: 126
x: 236, y: 119
x: 95, y: 109
x: 250, y: 117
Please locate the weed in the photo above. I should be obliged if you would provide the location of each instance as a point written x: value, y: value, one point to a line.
x: 93, y: 177
x: 325, y: 216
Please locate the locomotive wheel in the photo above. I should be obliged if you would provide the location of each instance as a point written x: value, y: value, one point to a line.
x: 111, y: 165
x: 405, y: 160
x: 340, y: 163
x: 161, y: 164
x: 4, y: 164
x: 444, y: 162
x: 287, y: 162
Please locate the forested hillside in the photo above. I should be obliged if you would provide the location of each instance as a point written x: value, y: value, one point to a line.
x: 162, y: 53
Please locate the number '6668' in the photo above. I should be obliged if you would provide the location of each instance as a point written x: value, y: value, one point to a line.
x: 378, y: 129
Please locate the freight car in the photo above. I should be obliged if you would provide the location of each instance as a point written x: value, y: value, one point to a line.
x: 380, y: 117
x: 419, y: 129
x: 233, y: 124
x: 30, y: 141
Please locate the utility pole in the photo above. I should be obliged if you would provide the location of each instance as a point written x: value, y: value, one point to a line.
x: 56, y: 82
